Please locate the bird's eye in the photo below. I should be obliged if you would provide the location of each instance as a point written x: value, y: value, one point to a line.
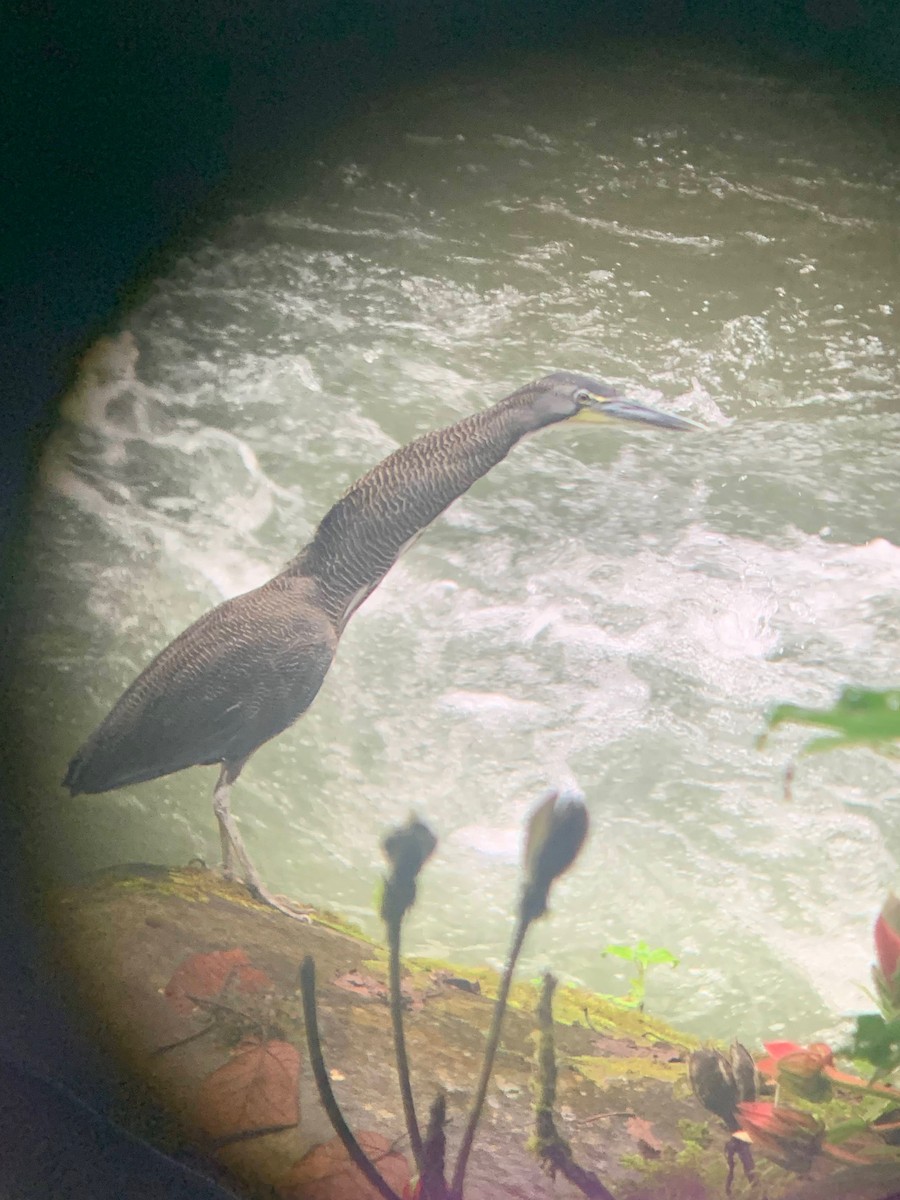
x: 582, y: 396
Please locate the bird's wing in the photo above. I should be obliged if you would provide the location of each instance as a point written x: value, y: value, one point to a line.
x: 236, y: 677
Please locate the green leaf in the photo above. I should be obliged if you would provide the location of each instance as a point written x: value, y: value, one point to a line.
x: 877, y: 1041
x: 859, y: 717
x: 660, y: 956
x: 846, y: 1129
x: 627, y: 952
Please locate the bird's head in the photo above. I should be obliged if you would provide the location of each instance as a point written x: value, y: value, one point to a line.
x: 568, y: 396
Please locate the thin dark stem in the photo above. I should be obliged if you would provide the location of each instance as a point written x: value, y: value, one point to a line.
x: 493, y: 1040
x: 555, y: 1153
x: 323, y: 1083
x: 434, y: 1183
x: 737, y: 1149
x: 396, y: 1001
x: 745, y: 1154
x: 191, y: 1037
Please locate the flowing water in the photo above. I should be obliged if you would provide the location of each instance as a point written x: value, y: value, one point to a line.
x: 609, y: 608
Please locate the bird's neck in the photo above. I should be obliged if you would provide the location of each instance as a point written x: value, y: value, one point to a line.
x: 363, y: 535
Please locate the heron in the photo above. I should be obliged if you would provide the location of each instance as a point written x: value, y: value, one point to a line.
x: 249, y: 668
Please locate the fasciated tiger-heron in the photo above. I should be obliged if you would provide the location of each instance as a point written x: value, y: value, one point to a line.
x: 248, y: 669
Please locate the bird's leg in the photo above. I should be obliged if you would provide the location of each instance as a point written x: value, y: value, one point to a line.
x: 227, y: 856
x: 233, y: 844
x: 222, y: 809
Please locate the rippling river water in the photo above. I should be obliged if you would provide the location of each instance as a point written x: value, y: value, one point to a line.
x: 613, y: 609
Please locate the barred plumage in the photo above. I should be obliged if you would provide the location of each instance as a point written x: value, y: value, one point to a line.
x: 246, y: 670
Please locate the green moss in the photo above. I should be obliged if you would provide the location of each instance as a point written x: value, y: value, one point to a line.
x: 376, y: 966
x: 687, y: 1173
x: 695, y: 1131
x: 487, y: 979
x: 637, y: 1162
x: 671, y: 1183
x: 333, y: 920
x: 571, y: 1005
x: 691, y: 1155
x: 602, y: 1070
x: 574, y: 1003
x: 195, y: 883
x: 200, y: 884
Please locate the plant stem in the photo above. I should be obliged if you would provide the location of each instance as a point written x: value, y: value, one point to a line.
x: 434, y: 1183
x: 323, y: 1083
x: 493, y: 1040
x: 552, y: 1150
x: 736, y: 1149
x: 396, y: 1001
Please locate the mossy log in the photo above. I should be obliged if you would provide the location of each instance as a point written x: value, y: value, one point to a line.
x: 178, y: 974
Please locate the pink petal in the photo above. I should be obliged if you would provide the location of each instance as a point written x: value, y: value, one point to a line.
x: 887, y: 945
x: 780, y: 1049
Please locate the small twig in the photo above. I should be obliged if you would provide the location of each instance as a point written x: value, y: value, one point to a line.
x: 602, y: 1117
x: 213, y: 1007
x: 245, y: 1135
x: 493, y: 1040
x: 210, y: 1004
x: 593, y: 1028
x: 191, y: 1037
x: 323, y: 1083
x: 553, y: 1152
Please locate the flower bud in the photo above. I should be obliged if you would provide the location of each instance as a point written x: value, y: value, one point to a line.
x: 407, y: 849
x: 556, y: 831
x: 714, y: 1084
x: 790, y: 1138
x: 887, y: 949
x: 803, y: 1072
x: 743, y: 1068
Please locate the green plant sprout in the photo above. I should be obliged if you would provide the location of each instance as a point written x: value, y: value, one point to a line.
x: 643, y: 957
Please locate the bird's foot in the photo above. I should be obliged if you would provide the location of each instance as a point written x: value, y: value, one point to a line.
x: 298, y: 912
x: 233, y: 848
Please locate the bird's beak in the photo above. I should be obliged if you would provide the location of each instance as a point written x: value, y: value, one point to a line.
x: 602, y: 408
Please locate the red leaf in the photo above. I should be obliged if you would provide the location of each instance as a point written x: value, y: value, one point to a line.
x: 254, y: 1092
x: 777, y: 1050
x: 780, y: 1049
x: 788, y: 1136
x: 205, y: 975
x: 326, y: 1172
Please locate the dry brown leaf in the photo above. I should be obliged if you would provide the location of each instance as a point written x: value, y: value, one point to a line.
x: 205, y: 975
x: 254, y: 1092
x: 647, y: 1142
x: 326, y: 1172
x: 362, y: 984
